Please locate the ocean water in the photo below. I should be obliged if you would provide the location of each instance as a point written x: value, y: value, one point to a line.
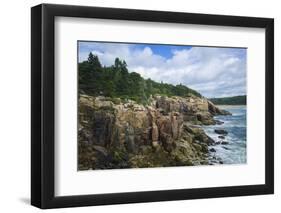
x: 235, y: 152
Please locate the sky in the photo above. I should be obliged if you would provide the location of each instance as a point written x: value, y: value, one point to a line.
x: 212, y: 71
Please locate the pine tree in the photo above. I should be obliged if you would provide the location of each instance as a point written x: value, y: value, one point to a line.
x: 90, y: 58
x: 93, y: 60
x: 117, y: 81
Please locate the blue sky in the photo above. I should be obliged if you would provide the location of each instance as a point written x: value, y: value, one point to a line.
x: 165, y: 51
x: 214, y: 72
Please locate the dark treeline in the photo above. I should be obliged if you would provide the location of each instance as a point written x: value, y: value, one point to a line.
x: 117, y: 82
x: 235, y: 100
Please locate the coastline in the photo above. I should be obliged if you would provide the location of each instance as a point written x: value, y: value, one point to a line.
x: 167, y: 132
x: 231, y: 147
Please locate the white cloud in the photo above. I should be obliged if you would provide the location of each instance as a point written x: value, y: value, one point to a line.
x: 215, y: 72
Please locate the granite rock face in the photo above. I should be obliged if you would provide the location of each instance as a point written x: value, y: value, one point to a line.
x: 166, y: 132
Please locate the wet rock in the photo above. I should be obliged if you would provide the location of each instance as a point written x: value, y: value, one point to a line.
x: 224, y: 143
x: 212, y: 150
x: 224, y: 112
x: 221, y: 137
x: 218, y: 122
x: 221, y: 131
x: 226, y: 148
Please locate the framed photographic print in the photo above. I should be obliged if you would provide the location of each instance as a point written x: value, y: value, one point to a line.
x: 139, y: 106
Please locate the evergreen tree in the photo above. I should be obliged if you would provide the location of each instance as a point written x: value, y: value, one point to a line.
x: 93, y: 60
x: 117, y: 63
x: 90, y: 58
x: 117, y: 81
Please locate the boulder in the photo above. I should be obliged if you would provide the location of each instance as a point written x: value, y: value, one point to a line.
x: 198, y: 134
x: 221, y: 131
x: 205, y: 118
x: 212, y: 150
x: 215, y: 110
x: 224, y: 143
x: 218, y: 122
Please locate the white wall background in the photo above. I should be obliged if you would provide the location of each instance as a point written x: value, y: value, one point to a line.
x: 15, y: 105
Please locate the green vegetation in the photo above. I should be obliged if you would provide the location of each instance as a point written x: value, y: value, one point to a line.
x: 117, y: 82
x: 235, y: 100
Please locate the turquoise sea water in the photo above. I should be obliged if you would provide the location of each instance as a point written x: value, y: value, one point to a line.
x: 235, y: 152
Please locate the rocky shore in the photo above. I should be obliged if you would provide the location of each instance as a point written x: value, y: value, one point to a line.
x: 114, y: 133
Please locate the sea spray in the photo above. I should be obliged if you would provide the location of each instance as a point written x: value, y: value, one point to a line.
x: 231, y: 148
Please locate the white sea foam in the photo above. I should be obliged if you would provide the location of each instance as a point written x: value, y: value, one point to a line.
x: 235, y: 151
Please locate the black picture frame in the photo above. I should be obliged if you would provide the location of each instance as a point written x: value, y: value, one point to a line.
x: 43, y: 102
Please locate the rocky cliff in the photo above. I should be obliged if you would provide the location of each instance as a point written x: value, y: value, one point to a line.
x: 123, y: 134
